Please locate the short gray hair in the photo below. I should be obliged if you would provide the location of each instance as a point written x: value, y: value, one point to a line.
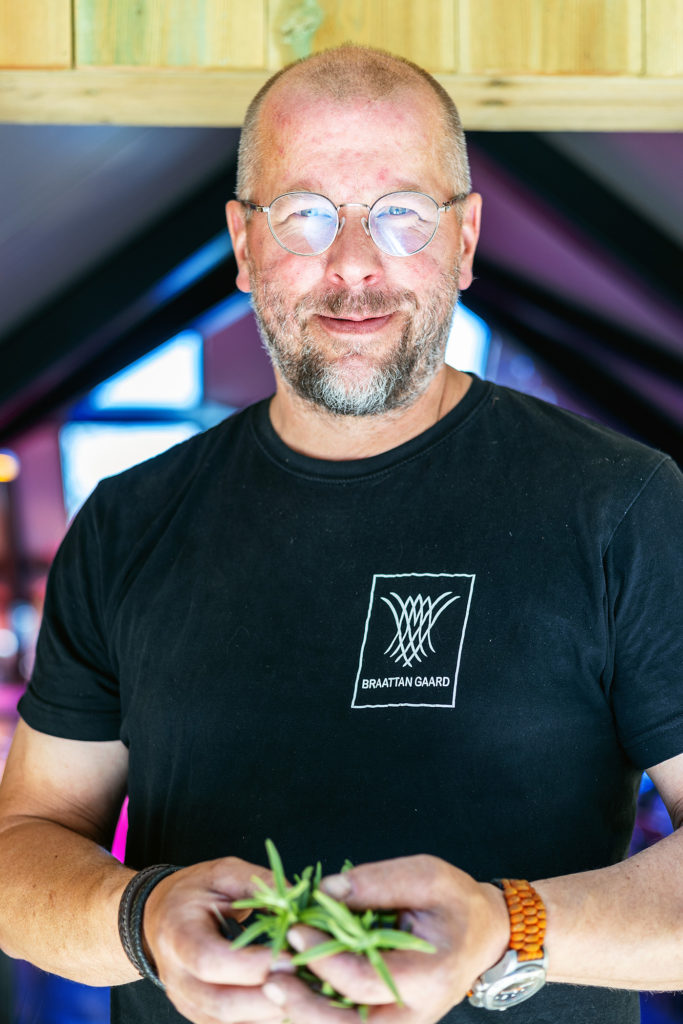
x: 346, y: 72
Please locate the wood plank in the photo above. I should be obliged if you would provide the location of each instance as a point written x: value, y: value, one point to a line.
x: 523, y: 103
x: 664, y: 37
x: 35, y: 33
x: 421, y: 31
x: 171, y: 33
x: 575, y: 37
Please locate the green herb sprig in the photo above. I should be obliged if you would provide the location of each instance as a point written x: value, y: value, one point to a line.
x: 281, y: 906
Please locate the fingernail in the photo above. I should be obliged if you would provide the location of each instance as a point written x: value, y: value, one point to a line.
x: 337, y: 886
x: 282, y: 966
x: 273, y: 992
x: 296, y: 940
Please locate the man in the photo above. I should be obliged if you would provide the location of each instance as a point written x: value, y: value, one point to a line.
x: 394, y: 614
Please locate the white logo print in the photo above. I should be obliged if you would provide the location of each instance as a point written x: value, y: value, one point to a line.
x: 406, y: 660
x: 415, y: 618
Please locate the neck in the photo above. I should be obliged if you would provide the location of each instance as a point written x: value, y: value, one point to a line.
x: 322, y: 435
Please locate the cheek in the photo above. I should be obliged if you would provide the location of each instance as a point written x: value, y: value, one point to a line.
x: 422, y: 273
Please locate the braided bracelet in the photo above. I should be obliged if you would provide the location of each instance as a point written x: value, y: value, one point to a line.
x: 527, y: 917
x: 131, y: 909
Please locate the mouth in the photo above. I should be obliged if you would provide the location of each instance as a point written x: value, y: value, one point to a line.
x: 355, y: 324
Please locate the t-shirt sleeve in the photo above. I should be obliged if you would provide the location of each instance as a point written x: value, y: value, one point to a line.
x: 644, y: 569
x: 73, y: 692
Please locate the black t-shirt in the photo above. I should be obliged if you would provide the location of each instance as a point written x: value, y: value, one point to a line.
x: 468, y: 645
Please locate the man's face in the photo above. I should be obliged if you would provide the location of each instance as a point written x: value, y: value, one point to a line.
x: 353, y: 330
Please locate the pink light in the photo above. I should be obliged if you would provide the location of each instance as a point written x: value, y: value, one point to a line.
x: 118, y: 848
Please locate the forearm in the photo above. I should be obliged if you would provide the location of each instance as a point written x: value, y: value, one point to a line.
x: 620, y: 926
x: 60, y: 896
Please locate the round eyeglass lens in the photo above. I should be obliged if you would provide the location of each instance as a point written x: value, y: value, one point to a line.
x: 303, y: 223
x: 402, y: 223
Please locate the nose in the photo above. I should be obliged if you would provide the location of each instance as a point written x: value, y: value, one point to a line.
x: 353, y: 258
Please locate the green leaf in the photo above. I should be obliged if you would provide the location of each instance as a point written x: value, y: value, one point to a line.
x: 368, y: 919
x: 340, y: 913
x: 276, y: 867
x: 390, y: 938
x: 279, y: 939
x: 314, y: 917
x: 251, y: 932
x: 319, y: 951
x: 297, y: 890
x: 383, y: 971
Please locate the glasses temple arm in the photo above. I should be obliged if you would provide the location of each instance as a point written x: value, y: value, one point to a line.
x: 253, y: 206
x: 455, y: 199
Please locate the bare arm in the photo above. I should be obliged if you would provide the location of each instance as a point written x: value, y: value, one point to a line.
x: 622, y: 926
x: 59, y: 803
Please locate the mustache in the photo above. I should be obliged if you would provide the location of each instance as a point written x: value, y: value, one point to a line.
x: 361, y: 304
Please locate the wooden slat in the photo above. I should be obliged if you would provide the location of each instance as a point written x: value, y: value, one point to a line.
x: 524, y: 103
x: 422, y: 31
x: 35, y: 33
x: 171, y: 33
x: 664, y: 37
x: 576, y: 37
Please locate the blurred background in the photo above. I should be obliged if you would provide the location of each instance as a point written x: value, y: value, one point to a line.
x: 121, y: 332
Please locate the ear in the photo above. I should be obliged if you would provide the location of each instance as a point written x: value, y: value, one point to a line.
x: 237, y: 225
x: 469, y: 236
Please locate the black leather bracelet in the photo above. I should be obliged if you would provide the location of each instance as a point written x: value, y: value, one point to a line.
x: 131, y: 909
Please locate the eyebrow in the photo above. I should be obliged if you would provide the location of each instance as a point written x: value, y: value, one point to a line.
x: 313, y: 185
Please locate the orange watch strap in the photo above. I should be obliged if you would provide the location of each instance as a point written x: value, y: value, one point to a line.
x: 527, y: 918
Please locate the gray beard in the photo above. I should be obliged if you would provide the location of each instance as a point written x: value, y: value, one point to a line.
x: 398, y: 381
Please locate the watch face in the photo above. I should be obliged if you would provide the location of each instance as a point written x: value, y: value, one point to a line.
x: 517, y: 987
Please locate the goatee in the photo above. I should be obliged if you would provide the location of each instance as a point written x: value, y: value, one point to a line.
x: 397, y: 380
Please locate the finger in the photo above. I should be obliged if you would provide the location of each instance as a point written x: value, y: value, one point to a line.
x: 391, y: 884
x: 233, y: 878
x: 193, y: 948
x: 305, y: 1007
x: 199, y: 1001
x: 299, y: 1004
x: 351, y: 974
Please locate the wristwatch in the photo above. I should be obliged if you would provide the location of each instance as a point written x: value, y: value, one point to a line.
x: 521, y: 971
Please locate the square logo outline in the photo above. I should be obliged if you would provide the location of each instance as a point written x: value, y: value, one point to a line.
x: 412, y: 575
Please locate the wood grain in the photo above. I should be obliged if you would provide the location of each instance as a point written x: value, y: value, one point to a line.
x: 422, y: 31
x: 170, y: 33
x: 664, y: 37
x: 551, y: 37
x: 35, y: 33
x: 524, y: 103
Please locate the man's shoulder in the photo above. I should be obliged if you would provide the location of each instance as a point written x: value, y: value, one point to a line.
x: 152, y: 488
x: 182, y: 462
x: 567, y: 438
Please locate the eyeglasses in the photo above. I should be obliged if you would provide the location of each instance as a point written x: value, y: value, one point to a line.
x: 400, y: 223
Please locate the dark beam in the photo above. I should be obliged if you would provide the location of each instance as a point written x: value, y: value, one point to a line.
x: 116, y: 313
x: 616, y: 226
x: 574, y: 346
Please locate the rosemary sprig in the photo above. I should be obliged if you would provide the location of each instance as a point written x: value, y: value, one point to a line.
x: 280, y: 906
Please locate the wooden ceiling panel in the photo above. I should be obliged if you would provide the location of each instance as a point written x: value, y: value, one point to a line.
x: 155, y: 33
x: 577, y: 37
x: 664, y: 37
x: 35, y: 33
x: 424, y: 34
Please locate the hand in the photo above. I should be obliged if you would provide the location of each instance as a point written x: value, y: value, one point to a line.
x: 466, y: 921
x: 205, y: 980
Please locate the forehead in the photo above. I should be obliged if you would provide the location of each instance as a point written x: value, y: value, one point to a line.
x: 357, y: 147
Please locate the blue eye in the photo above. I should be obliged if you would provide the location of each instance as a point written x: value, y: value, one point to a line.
x: 398, y: 211
x: 313, y: 211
